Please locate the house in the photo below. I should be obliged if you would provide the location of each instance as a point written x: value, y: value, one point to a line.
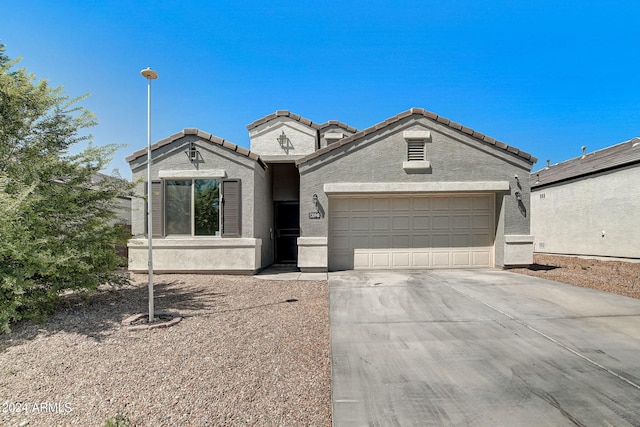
x: 589, y: 205
x: 414, y: 191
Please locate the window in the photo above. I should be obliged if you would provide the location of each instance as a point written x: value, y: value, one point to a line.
x: 192, y: 207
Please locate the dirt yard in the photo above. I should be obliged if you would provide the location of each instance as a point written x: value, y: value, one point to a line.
x: 618, y: 277
x: 248, y: 352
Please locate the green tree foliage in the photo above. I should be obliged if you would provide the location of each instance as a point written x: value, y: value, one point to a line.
x: 58, y: 226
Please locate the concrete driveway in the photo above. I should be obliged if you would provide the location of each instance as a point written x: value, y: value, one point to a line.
x: 481, y: 348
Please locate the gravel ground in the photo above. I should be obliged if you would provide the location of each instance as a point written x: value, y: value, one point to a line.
x: 618, y: 277
x: 248, y: 352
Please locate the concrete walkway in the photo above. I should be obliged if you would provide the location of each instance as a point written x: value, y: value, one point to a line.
x: 288, y: 272
x: 481, y: 348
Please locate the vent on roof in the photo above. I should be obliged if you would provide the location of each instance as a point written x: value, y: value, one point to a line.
x: 584, y: 151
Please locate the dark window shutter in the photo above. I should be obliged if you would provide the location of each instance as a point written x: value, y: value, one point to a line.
x: 231, y: 204
x: 157, y: 204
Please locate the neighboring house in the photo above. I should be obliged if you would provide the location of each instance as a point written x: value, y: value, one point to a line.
x: 414, y: 191
x: 589, y: 205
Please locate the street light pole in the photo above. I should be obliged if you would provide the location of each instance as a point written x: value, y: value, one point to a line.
x: 149, y: 74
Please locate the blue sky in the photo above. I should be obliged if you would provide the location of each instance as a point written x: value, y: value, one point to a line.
x: 544, y: 76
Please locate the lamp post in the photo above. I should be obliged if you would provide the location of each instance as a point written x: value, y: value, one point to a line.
x: 149, y: 74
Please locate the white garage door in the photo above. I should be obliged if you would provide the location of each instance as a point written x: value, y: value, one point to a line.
x: 383, y: 232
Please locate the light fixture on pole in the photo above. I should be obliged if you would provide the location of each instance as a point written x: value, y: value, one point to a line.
x: 149, y: 74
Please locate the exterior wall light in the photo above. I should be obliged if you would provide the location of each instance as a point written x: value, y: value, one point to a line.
x: 518, y: 196
x: 314, y: 199
x: 192, y: 152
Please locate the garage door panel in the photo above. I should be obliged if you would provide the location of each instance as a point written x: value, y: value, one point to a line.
x: 400, y: 241
x: 400, y: 223
x: 441, y: 259
x: 482, y: 239
x: 421, y: 222
x: 401, y: 259
x: 421, y: 259
x: 361, y: 260
x: 340, y: 243
x: 380, y: 232
x: 461, y: 259
x: 381, y: 260
x: 461, y: 203
x: 482, y: 203
x: 360, y: 205
x: 422, y: 204
x: 481, y: 258
x: 420, y: 241
x: 381, y: 205
x: 380, y: 241
x: 481, y: 221
x: 380, y: 223
x: 460, y: 240
x: 401, y: 204
x: 441, y: 240
x: 440, y: 222
x: 340, y: 224
x: 461, y: 222
x: 359, y: 223
x: 361, y: 241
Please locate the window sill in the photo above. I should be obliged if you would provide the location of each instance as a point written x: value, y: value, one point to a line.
x: 417, y: 167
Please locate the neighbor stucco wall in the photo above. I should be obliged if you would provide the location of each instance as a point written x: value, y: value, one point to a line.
x: 453, y: 157
x: 597, y: 215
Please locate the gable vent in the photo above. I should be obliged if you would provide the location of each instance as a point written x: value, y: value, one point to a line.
x: 415, y: 150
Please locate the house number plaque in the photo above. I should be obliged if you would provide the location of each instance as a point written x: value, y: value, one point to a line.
x: 314, y: 215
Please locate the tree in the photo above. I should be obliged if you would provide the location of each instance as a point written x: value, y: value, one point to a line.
x: 57, y: 220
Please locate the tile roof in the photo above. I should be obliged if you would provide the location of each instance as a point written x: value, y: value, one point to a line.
x: 203, y: 135
x: 298, y: 118
x: 339, y: 124
x: 609, y: 158
x: 424, y: 113
x: 282, y: 113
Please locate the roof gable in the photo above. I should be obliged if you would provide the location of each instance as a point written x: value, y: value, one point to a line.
x: 609, y: 158
x: 202, y: 135
x: 421, y: 113
x: 282, y: 113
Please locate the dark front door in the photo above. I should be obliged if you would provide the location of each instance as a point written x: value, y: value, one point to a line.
x: 287, y: 230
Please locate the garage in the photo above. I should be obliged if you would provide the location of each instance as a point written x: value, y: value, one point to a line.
x: 411, y: 231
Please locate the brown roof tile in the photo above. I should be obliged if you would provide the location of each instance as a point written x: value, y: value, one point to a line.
x: 429, y: 115
x: 339, y: 124
x: 204, y: 136
x: 281, y: 113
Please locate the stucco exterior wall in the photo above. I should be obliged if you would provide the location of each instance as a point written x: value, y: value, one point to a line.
x: 597, y: 215
x: 453, y: 157
x: 213, y: 161
x: 300, y: 138
x: 212, y: 157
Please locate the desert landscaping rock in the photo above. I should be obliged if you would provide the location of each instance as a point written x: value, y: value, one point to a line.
x: 247, y: 352
x: 618, y: 277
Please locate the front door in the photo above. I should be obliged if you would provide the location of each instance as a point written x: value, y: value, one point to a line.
x: 287, y: 231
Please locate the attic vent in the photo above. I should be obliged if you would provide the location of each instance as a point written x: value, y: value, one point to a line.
x: 415, y: 151
x: 416, y: 144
